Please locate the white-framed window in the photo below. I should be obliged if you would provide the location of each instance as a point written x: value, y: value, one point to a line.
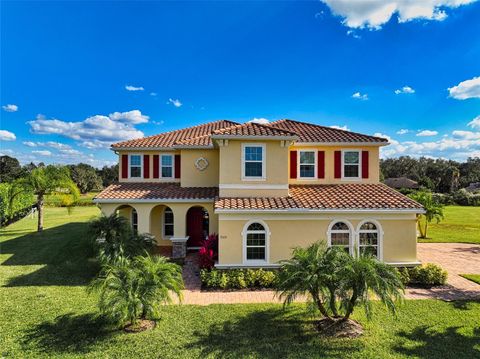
x: 369, y: 236
x: 307, y: 164
x: 166, y: 166
x: 134, y: 220
x: 351, y: 164
x: 255, y: 248
x: 253, y: 161
x: 168, y: 222
x: 135, y: 166
x: 340, y: 235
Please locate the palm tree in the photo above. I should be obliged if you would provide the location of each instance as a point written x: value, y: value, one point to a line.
x: 433, y: 210
x: 133, y: 289
x: 313, y: 271
x: 363, y: 276
x: 47, y: 180
x: 115, y: 238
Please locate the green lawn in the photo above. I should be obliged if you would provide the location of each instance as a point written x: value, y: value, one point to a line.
x: 473, y: 277
x: 461, y: 225
x: 46, y: 312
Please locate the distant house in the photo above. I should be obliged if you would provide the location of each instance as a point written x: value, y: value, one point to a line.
x: 473, y: 187
x: 401, y: 182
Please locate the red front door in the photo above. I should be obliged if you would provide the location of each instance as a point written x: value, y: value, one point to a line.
x: 195, y: 230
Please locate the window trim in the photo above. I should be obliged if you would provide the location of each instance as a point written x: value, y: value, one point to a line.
x: 264, y: 161
x: 359, y: 177
x: 134, y: 211
x: 164, y: 223
x: 160, y: 165
x: 267, y: 243
x: 379, y: 239
x: 351, y: 230
x: 130, y: 165
x: 315, y: 165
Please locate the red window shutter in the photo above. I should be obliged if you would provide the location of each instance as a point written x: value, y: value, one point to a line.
x: 124, y: 166
x: 364, y: 164
x: 156, y: 173
x: 338, y: 164
x: 321, y: 164
x: 293, y: 164
x: 146, y: 166
x: 177, y: 166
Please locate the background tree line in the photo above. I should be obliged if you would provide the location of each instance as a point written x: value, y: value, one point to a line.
x: 437, y: 175
x: 86, y: 177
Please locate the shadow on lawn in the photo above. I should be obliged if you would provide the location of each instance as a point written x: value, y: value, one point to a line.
x: 63, y: 250
x: 68, y: 333
x: 426, y: 342
x: 272, y: 333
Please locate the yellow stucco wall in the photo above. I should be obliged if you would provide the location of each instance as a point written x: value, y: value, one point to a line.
x: 398, y: 244
x: 193, y: 177
x: 373, y: 168
x: 142, y: 152
x: 276, y: 173
x: 150, y: 217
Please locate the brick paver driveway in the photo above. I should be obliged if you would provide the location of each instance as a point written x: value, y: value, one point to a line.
x: 456, y: 258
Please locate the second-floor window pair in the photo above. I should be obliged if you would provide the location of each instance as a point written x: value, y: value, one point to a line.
x: 166, y: 165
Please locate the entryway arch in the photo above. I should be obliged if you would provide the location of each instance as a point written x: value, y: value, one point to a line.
x: 198, y: 226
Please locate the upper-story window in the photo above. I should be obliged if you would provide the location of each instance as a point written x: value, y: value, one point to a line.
x: 135, y: 166
x: 351, y: 164
x: 307, y: 164
x: 253, y: 164
x: 166, y: 164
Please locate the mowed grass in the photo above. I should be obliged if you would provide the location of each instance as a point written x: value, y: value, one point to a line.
x: 473, y: 277
x: 461, y: 225
x: 46, y: 312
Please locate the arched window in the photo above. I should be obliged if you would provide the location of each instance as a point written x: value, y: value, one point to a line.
x: 340, y: 236
x: 256, y: 242
x: 368, y: 239
x: 168, y: 222
x: 134, y: 220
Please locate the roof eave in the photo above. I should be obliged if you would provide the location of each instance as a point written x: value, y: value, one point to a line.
x: 151, y: 200
x: 142, y: 148
x: 350, y: 144
x: 323, y: 210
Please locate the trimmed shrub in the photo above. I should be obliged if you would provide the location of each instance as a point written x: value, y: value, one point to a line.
x: 238, y: 278
x: 404, y: 275
x: 428, y: 274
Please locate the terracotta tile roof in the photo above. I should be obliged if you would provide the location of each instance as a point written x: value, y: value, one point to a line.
x: 252, y: 129
x: 151, y: 190
x: 309, y: 132
x: 335, y: 196
x: 169, y: 139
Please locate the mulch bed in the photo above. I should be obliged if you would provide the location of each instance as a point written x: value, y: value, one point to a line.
x: 140, y: 326
x: 339, y: 328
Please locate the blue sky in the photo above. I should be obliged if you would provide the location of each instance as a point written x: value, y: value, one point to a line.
x: 76, y: 77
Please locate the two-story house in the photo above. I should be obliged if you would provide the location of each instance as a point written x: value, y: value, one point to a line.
x: 264, y: 189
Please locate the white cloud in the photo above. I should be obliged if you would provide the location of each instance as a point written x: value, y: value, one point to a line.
x: 466, y: 89
x: 96, y: 131
x: 42, y: 152
x: 404, y: 89
x: 153, y: 94
x: 344, y: 127
x: 29, y: 144
x: 10, y: 108
x: 173, y: 102
x: 375, y: 13
x: 360, y: 96
x: 261, y: 120
x: 475, y: 123
x: 133, y: 88
x: 402, y: 131
x: 467, y: 135
x: 425, y: 133
x: 7, y: 136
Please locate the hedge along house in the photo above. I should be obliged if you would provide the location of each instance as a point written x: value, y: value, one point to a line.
x: 264, y: 189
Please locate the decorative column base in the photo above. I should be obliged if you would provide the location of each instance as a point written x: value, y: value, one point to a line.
x: 179, y: 249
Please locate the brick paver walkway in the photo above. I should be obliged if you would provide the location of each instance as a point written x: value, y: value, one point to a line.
x: 456, y: 258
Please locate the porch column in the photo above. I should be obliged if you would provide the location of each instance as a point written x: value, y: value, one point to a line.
x: 179, y: 239
x: 143, y: 212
